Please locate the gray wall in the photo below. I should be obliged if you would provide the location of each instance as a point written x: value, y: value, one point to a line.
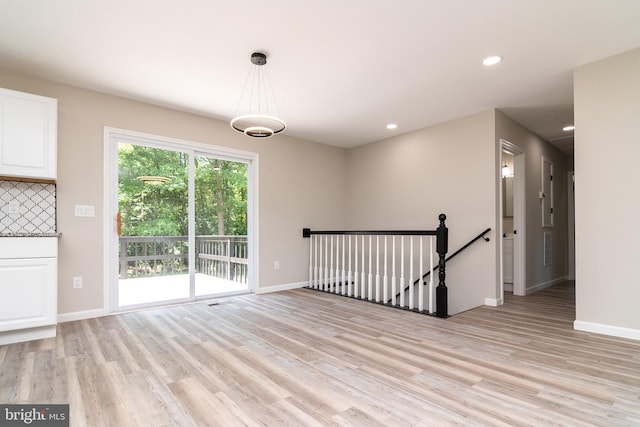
x: 406, y: 181
x: 301, y: 184
x: 607, y: 151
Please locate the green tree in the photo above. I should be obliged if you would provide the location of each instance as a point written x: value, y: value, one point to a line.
x: 221, y: 197
x: 153, y: 193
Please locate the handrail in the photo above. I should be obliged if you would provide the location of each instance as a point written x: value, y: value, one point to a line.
x: 441, y: 294
x: 469, y: 243
x: 307, y: 232
x: 472, y: 241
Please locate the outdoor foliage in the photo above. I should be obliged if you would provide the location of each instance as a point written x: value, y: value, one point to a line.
x: 158, y: 204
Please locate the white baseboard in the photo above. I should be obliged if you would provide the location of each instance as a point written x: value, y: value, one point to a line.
x: 90, y: 314
x: 614, y: 331
x: 285, y: 287
x: 544, y: 285
x: 81, y: 315
x: 23, y: 335
x: 493, y: 302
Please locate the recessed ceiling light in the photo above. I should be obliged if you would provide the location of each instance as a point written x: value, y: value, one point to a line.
x: 492, y: 60
x: 568, y: 128
x: 392, y: 126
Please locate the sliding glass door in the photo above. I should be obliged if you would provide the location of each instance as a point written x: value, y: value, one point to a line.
x: 182, y: 229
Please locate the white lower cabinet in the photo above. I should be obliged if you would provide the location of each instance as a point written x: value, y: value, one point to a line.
x: 28, y: 288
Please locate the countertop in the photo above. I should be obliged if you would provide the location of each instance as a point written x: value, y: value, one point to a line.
x: 30, y: 234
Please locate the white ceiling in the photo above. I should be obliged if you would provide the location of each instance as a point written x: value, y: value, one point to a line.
x: 341, y: 69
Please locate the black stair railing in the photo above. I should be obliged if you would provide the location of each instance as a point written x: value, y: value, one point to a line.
x: 441, y: 234
x: 449, y: 258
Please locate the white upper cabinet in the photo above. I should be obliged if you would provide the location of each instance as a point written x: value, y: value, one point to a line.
x: 28, y: 135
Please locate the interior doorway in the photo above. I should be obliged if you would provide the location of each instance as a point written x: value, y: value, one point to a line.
x: 512, y: 219
x: 183, y: 221
x: 507, y: 174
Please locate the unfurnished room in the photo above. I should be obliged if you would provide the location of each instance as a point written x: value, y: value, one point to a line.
x: 295, y: 213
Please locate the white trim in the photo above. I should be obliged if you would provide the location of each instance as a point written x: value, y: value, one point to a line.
x: 493, y: 302
x: 191, y: 226
x: 253, y: 231
x: 571, y: 225
x: 278, y: 288
x: 194, y: 148
x: 81, y: 315
x: 547, y: 284
x: 24, y: 335
x: 224, y: 153
x: 500, y: 228
x: 110, y: 201
x: 614, y: 331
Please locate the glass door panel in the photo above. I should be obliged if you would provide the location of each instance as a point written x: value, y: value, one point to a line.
x: 153, y: 208
x: 221, y: 255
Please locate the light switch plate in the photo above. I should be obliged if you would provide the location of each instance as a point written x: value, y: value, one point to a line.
x: 85, y: 210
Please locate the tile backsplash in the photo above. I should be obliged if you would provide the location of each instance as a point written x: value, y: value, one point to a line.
x: 27, y: 207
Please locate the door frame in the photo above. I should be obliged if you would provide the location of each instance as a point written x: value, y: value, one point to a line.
x: 110, y: 200
x: 519, y: 218
x: 571, y: 221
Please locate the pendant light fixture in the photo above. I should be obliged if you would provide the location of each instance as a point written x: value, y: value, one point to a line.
x: 254, y: 115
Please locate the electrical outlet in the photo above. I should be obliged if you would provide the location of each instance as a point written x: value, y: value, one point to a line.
x: 276, y: 265
x: 77, y: 282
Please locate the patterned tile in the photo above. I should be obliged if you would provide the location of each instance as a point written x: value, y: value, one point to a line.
x: 27, y: 207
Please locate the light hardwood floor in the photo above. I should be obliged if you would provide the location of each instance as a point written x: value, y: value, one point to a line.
x: 304, y: 358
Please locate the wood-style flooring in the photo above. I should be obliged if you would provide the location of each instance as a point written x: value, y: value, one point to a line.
x: 305, y: 358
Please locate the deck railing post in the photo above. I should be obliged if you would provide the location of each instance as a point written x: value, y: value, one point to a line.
x: 442, y: 246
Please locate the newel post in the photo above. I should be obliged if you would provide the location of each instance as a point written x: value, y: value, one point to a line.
x: 442, y: 247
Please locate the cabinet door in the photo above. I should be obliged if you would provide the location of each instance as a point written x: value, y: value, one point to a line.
x: 28, y: 135
x: 28, y: 293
